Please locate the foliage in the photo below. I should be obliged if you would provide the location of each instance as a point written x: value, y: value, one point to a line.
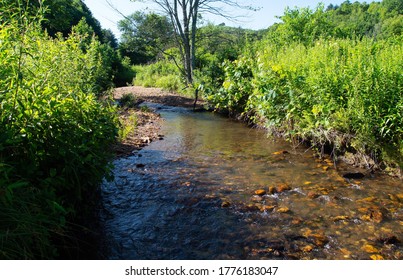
x: 127, y: 126
x: 215, y: 44
x: 54, y: 134
x: 145, y: 36
x: 162, y: 74
x: 59, y: 15
x: 349, y: 20
x: 343, y: 92
x: 128, y: 100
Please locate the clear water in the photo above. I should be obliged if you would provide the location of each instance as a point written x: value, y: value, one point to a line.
x: 192, y: 196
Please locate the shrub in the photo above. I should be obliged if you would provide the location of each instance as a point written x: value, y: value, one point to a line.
x: 54, y: 136
x: 343, y: 92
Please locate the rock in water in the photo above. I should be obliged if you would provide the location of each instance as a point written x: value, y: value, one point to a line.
x: 225, y: 204
x: 354, y: 175
x: 260, y: 192
x: 283, y: 187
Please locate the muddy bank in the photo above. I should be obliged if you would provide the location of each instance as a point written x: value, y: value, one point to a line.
x: 157, y: 95
x: 217, y: 189
x: 148, y: 122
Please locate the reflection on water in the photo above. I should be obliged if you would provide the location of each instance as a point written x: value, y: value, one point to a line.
x: 215, y: 189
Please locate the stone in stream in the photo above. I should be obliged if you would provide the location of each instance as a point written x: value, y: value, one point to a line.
x: 376, y: 257
x: 250, y: 208
x: 283, y: 210
x: 372, y: 214
x: 283, y: 187
x: 388, y: 239
x: 340, y: 218
x: 225, y: 204
x: 313, y: 195
x: 307, y: 248
x: 260, y: 192
x: 318, y: 238
x: 266, y: 208
x: 257, y: 198
x: 369, y: 249
x: 272, y: 190
x: 354, y: 175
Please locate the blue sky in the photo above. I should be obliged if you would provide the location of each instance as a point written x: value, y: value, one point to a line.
x: 263, y: 18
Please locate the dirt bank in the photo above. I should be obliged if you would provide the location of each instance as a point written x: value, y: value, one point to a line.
x: 148, y: 121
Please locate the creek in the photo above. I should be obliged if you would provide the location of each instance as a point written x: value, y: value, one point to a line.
x: 213, y: 188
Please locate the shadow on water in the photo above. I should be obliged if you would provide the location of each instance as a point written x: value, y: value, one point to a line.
x: 192, y: 196
x: 152, y: 216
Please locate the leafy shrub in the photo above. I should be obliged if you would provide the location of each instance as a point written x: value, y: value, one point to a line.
x: 128, y: 100
x: 162, y: 74
x: 54, y: 135
x: 343, y: 92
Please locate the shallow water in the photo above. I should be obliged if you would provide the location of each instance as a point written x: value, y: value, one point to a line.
x: 192, y: 196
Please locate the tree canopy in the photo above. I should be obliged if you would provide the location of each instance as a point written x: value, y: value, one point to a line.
x: 145, y: 36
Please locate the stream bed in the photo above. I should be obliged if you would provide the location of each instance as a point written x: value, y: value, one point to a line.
x: 214, y: 188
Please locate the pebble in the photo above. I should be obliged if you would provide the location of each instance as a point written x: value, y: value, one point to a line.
x: 260, y: 192
x: 340, y: 218
x: 283, y: 187
x: 225, y: 204
x: 307, y: 248
x: 376, y: 257
x: 369, y: 249
x: 313, y: 195
x: 272, y: 190
x: 283, y: 210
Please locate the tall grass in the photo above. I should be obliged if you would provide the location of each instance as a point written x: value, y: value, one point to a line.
x: 343, y: 92
x: 163, y: 74
x: 54, y: 134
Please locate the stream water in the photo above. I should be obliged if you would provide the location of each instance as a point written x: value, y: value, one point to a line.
x: 193, y: 195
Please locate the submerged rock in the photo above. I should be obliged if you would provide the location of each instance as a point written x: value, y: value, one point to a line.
x: 376, y: 257
x: 313, y: 195
x: 225, y: 204
x: 260, y: 192
x: 307, y: 248
x: 354, y: 175
x: 369, y: 249
x: 318, y: 238
x: 340, y: 218
x: 272, y: 190
x: 372, y: 214
x: 283, y: 210
x: 257, y: 198
x: 388, y: 239
x: 283, y: 187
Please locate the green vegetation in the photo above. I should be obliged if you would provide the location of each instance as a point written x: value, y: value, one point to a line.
x: 316, y: 78
x: 329, y: 76
x: 54, y: 132
x: 340, y: 92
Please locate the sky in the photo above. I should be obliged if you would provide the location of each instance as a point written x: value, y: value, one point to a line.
x: 265, y: 17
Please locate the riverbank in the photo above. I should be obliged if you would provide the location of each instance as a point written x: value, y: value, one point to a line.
x: 148, y: 122
x: 215, y: 188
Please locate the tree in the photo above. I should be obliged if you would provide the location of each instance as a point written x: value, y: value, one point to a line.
x: 184, y: 15
x: 58, y: 16
x: 303, y: 25
x: 144, y: 36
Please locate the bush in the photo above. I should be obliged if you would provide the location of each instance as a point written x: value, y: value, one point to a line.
x: 54, y: 136
x: 163, y: 74
x: 343, y: 92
